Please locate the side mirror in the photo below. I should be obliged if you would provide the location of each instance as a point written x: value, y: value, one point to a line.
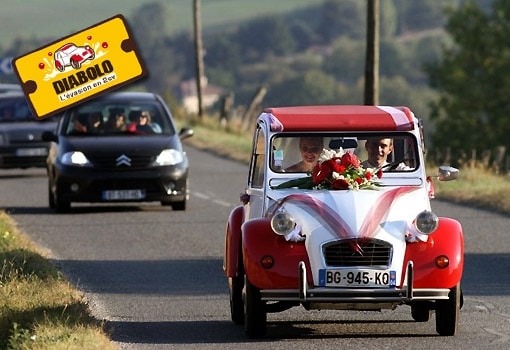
x: 49, y: 136
x: 185, y: 133
x: 447, y: 173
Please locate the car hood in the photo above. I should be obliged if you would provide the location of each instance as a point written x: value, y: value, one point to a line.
x: 23, y: 131
x: 352, y: 214
x: 119, y: 144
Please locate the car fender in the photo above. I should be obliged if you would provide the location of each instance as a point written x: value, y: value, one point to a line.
x: 233, y: 242
x: 448, y: 240
x: 258, y: 241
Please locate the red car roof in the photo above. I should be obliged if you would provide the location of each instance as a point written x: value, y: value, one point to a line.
x: 343, y: 117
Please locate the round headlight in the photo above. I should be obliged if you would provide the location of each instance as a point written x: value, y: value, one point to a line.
x: 282, y: 223
x: 426, y: 222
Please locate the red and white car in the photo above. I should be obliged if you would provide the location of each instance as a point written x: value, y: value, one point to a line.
x: 345, y: 236
x: 72, y: 55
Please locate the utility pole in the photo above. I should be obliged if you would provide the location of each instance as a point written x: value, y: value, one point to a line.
x: 199, y: 57
x: 372, y: 54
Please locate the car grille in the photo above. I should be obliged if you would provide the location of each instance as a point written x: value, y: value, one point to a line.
x: 371, y: 253
x: 109, y: 162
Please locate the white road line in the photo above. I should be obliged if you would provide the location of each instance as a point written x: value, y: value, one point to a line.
x: 212, y: 199
x: 223, y: 203
x: 201, y: 195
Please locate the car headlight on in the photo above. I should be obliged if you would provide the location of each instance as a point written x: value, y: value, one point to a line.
x: 75, y: 158
x: 169, y: 157
x: 426, y: 222
x: 282, y: 222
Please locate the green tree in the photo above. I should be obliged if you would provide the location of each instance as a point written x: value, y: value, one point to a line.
x: 148, y: 26
x: 347, y: 60
x: 388, y: 19
x: 265, y: 35
x: 473, y: 79
x: 342, y: 17
x: 311, y: 87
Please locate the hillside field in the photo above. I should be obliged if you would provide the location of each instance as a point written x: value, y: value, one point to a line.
x: 51, y: 19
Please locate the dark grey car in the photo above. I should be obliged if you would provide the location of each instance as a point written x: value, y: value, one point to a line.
x: 21, y: 145
x: 121, y: 147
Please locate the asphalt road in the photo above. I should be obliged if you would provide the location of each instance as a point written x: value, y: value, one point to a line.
x: 155, y: 276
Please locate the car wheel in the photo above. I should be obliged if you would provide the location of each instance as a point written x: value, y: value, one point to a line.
x: 448, y: 313
x: 60, y: 205
x: 420, y: 312
x: 255, y: 315
x: 235, y: 286
x: 75, y: 64
x: 179, y: 205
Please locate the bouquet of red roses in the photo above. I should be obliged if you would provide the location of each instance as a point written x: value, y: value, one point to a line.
x: 337, y: 171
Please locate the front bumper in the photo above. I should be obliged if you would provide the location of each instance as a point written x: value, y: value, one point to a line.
x: 23, y: 156
x: 305, y: 294
x: 167, y: 184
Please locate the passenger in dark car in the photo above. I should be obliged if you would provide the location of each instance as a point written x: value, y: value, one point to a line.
x: 91, y: 124
x: 142, y: 124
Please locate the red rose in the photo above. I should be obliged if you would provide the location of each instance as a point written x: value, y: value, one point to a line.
x: 339, y: 184
x: 338, y: 167
x: 322, y: 171
x: 349, y: 159
x: 368, y: 175
x: 379, y: 174
x: 358, y: 180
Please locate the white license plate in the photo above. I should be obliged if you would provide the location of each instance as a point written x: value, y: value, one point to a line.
x: 31, y: 152
x: 119, y: 195
x: 357, y: 278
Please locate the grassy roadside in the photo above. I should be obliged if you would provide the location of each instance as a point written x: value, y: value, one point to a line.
x: 39, y: 309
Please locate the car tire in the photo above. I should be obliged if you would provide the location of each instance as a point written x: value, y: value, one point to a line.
x: 75, y: 64
x: 235, y: 286
x: 179, y: 206
x: 420, y: 312
x: 448, y: 312
x: 255, y: 315
x: 60, y: 205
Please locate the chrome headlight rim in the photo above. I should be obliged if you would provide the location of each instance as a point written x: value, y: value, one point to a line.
x: 282, y: 223
x: 426, y: 222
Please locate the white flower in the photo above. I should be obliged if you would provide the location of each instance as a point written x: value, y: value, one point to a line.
x: 329, y: 153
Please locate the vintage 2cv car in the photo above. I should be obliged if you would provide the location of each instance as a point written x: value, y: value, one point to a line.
x: 345, y: 234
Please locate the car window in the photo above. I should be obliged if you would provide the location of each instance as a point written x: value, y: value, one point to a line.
x: 14, y: 110
x: 258, y: 160
x: 289, y: 151
x: 106, y: 118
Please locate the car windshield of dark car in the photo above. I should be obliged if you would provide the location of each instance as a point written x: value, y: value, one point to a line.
x: 108, y: 118
x: 15, y: 110
x: 299, y: 153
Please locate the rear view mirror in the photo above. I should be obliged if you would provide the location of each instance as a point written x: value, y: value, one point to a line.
x: 343, y: 143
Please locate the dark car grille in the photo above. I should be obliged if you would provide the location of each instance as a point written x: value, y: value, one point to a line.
x: 110, y: 162
x: 371, y: 253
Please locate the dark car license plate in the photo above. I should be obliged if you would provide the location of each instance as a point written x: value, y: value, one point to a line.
x: 119, y: 195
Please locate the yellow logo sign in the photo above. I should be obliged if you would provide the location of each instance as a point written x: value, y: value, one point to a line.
x: 79, y: 67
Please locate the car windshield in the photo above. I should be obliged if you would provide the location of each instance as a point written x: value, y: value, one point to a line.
x: 299, y: 152
x: 106, y: 118
x: 15, y: 110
